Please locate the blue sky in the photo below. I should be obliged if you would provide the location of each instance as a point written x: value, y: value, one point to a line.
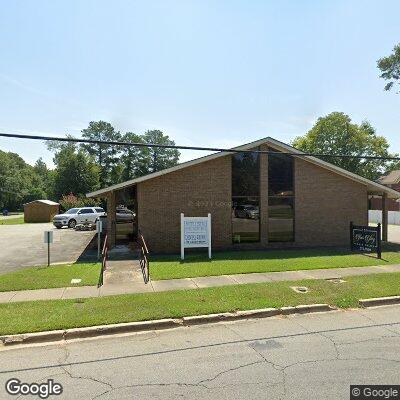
x: 210, y: 73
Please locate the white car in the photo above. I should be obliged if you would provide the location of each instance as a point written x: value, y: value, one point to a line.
x: 75, y: 216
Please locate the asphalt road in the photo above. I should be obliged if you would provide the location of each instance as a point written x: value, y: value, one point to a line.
x: 23, y: 245
x: 314, y: 356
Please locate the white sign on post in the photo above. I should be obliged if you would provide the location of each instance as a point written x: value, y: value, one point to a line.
x: 48, y: 237
x: 195, y: 232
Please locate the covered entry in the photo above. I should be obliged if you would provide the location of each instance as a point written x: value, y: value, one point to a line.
x: 122, y: 216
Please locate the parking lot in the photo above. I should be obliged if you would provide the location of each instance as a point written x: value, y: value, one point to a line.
x: 23, y: 245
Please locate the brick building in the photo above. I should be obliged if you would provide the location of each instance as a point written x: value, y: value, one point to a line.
x: 256, y: 201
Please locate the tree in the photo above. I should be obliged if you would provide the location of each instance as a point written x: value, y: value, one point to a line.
x: 390, y: 68
x: 335, y: 134
x: 105, y: 155
x: 133, y: 159
x: 154, y: 158
x: 76, y: 172
x: 19, y: 182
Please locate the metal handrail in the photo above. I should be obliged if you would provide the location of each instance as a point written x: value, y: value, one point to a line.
x: 144, y: 258
x: 104, y: 254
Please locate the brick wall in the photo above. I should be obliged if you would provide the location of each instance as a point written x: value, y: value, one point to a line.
x: 325, y: 203
x: 196, y: 191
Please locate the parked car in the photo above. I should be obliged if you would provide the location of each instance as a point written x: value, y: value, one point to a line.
x: 75, y: 216
x: 247, y: 211
x: 123, y: 214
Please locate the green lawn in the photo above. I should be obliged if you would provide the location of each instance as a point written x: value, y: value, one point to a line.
x: 50, y: 277
x: 12, y: 221
x: 244, y: 262
x: 61, y: 314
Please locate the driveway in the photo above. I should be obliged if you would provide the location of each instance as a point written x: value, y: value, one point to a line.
x: 22, y: 245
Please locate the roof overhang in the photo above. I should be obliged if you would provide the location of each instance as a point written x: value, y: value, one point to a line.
x: 372, y: 187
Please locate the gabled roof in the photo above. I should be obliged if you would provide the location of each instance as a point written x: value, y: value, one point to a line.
x: 372, y: 187
x: 48, y: 202
x: 390, y: 179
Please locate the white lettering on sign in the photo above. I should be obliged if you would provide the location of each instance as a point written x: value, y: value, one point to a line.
x: 195, y: 232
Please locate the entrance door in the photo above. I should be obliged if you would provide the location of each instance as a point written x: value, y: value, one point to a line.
x: 126, y: 221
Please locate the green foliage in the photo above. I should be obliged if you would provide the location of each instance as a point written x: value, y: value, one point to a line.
x: 156, y: 159
x: 19, y: 182
x: 106, y: 156
x: 390, y: 68
x: 82, y: 168
x: 76, y: 172
x: 71, y: 201
x: 336, y: 134
x: 132, y: 158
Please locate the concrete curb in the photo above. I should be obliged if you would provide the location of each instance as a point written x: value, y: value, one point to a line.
x: 102, y: 330
x: 379, y: 301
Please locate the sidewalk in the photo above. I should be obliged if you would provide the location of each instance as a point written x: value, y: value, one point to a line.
x: 189, y: 283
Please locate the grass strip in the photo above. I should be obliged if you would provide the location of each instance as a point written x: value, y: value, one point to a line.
x: 12, y: 221
x: 51, y: 277
x: 62, y: 314
x: 244, y: 262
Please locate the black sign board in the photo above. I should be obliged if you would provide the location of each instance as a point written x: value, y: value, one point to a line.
x: 365, y: 238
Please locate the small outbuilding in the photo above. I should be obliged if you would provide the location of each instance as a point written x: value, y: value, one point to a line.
x: 40, y: 211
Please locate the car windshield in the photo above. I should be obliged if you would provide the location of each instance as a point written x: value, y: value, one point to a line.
x: 72, y: 211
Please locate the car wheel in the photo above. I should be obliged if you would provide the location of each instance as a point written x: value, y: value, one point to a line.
x: 71, y: 223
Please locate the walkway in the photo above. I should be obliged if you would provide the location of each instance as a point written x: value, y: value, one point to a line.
x: 136, y: 286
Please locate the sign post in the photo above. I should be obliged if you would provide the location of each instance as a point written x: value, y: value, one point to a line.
x: 99, y: 229
x: 195, y: 232
x: 366, y: 238
x: 48, y: 238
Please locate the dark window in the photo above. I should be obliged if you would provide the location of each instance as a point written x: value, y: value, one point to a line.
x: 86, y: 211
x: 245, y: 198
x: 245, y: 175
x: 99, y: 210
x: 280, y: 175
x: 280, y: 198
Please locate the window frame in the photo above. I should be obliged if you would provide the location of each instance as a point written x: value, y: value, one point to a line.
x: 292, y: 196
x: 258, y: 197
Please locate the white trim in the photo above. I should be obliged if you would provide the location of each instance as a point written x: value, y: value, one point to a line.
x: 48, y: 202
x: 372, y: 186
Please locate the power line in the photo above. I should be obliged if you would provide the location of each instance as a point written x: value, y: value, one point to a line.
x: 168, y: 146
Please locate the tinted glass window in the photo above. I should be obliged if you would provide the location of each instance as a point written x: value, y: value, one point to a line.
x: 72, y: 211
x: 245, y: 174
x: 245, y: 198
x: 281, y: 219
x: 280, y: 175
x: 99, y: 210
x: 280, y: 198
x: 86, y: 211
